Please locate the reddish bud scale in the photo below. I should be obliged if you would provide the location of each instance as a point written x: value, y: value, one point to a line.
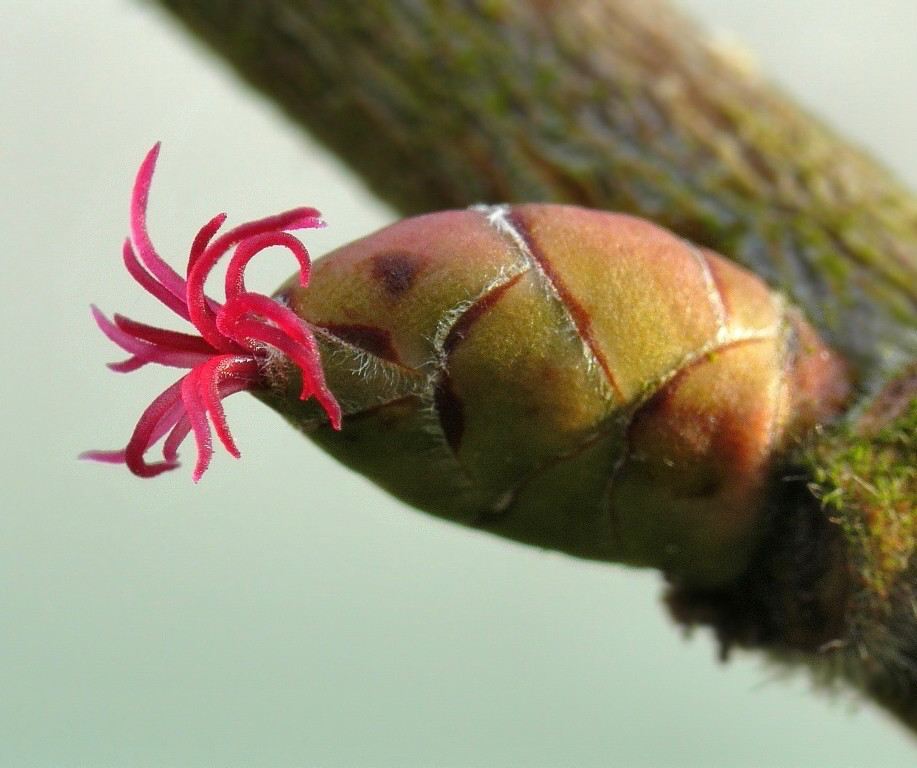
x: 576, y: 380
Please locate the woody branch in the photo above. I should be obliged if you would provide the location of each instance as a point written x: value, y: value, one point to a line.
x: 625, y: 105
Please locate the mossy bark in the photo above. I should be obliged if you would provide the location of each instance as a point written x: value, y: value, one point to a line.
x: 864, y: 473
x: 624, y: 105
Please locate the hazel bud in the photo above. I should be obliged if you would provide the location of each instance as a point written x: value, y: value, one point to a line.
x: 572, y: 379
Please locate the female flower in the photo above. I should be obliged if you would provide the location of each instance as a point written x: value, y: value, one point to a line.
x: 235, y: 339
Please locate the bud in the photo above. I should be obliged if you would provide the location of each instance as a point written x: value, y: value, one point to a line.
x: 572, y: 379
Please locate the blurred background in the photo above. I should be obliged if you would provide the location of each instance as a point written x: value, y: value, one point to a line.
x: 284, y: 612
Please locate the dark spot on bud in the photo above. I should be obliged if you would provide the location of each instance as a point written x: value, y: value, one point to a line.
x: 451, y: 413
x: 658, y: 403
x: 396, y: 270
x: 462, y: 326
x: 376, y: 341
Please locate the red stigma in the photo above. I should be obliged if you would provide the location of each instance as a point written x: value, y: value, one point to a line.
x: 224, y: 356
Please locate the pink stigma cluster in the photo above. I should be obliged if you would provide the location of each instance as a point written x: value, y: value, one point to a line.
x: 233, y: 338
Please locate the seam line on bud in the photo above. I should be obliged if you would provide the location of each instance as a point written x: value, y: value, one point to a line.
x: 508, y: 223
x: 444, y: 341
x: 714, y: 294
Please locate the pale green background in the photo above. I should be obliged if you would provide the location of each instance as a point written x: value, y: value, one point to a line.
x: 284, y: 612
